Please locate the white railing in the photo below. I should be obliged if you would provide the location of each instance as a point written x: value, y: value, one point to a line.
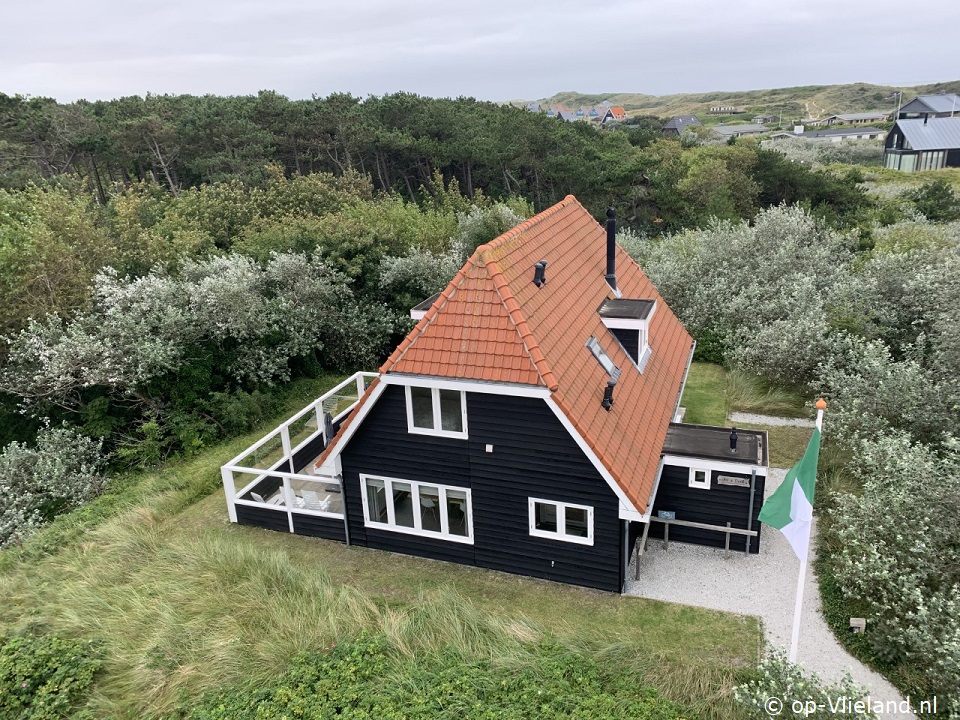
x: 272, y: 457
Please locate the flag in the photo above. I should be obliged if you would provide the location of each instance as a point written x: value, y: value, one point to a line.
x: 790, y: 507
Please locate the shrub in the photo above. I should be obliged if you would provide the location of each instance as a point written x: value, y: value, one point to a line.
x: 43, y: 677
x: 365, y: 679
x: 798, y: 694
x: 61, y: 471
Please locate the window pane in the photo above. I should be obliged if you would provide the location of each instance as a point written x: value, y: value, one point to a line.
x: 429, y: 508
x: 403, y: 504
x: 422, y: 400
x: 376, y: 501
x: 576, y: 522
x: 700, y: 477
x: 545, y: 517
x: 451, y: 410
x: 457, y: 512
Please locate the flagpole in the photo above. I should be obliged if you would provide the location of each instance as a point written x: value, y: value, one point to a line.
x: 795, y: 636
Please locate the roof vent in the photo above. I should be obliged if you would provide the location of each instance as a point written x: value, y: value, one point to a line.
x: 733, y: 440
x: 539, y: 273
x: 608, y: 394
x: 612, y: 248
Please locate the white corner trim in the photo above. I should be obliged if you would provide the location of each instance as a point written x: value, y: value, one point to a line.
x: 625, y: 504
x: 332, y: 464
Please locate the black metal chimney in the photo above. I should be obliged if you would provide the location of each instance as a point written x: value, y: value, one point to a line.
x: 612, y: 248
x: 733, y: 440
x: 607, y: 401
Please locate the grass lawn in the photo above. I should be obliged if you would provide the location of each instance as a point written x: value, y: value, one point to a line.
x: 704, y: 396
x: 184, y: 601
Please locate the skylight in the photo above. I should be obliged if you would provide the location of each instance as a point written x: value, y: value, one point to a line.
x: 605, y: 362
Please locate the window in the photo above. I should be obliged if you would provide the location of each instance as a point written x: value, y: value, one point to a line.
x: 699, y: 478
x: 561, y: 521
x: 605, y: 362
x: 415, y: 508
x: 433, y: 411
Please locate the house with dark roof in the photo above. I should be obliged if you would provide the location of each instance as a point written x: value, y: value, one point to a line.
x: 923, y: 144
x: 675, y: 126
x: 526, y: 424
x: 832, y: 134
x: 863, y: 118
x: 931, y: 106
x: 735, y: 131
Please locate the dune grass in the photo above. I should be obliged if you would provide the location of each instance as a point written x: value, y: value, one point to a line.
x: 184, y: 601
x: 712, y: 393
x: 704, y: 395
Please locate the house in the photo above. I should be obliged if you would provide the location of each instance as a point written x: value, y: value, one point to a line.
x: 764, y: 119
x: 725, y: 110
x: 534, y: 107
x: 735, y: 131
x: 614, y: 113
x: 833, y: 134
x: 931, y: 106
x: 923, y: 144
x: 524, y: 425
x: 675, y: 126
x: 558, y: 109
x: 864, y: 118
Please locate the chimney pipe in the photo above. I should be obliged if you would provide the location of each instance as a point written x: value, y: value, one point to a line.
x: 607, y: 401
x: 612, y: 248
x: 733, y: 440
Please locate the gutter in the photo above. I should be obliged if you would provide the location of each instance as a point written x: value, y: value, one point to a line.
x: 683, y: 385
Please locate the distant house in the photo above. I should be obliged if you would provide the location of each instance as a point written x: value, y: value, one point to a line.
x: 527, y: 424
x: 534, y: 107
x: 864, y: 118
x: 558, y: 109
x: 833, y: 134
x: 675, y: 126
x: 813, y: 122
x: 735, y: 131
x: 614, y: 113
x: 931, y: 106
x: 923, y: 144
x: 725, y: 110
x: 764, y: 119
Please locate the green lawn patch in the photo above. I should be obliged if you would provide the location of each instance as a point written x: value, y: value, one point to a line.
x: 704, y: 395
x: 184, y: 602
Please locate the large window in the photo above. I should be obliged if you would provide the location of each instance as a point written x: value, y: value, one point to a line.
x: 417, y: 508
x: 561, y: 521
x: 432, y: 411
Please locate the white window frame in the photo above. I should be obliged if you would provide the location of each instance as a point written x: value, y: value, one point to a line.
x: 436, y: 430
x: 694, y: 483
x: 415, y: 486
x: 560, y: 533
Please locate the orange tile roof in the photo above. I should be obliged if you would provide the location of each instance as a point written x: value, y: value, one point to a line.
x: 492, y: 323
x: 618, y: 112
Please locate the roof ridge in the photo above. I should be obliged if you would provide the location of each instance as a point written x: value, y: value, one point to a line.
x: 527, y: 337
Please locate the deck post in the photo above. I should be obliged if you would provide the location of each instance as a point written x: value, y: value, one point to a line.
x: 753, y: 492
x: 726, y: 545
x: 230, y: 490
x: 666, y: 535
x: 640, y: 548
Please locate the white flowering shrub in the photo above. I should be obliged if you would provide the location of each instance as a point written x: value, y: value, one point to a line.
x: 409, y: 279
x: 899, y: 556
x: 252, y: 319
x: 815, y: 153
x: 479, y: 225
x: 62, y: 470
x: 783, y: 689
x: 760, y: 289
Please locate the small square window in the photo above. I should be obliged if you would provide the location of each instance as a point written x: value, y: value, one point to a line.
x: 699, y: 478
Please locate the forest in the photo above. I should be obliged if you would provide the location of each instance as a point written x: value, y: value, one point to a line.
x: 170, y: 264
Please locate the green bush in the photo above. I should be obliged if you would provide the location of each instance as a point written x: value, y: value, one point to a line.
x: 44, y: 676
x: 364, y: 679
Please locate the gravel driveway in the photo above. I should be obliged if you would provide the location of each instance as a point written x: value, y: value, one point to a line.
x: 763, y: 585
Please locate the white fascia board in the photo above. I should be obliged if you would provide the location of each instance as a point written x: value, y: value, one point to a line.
x: 721, y: 465
x: 477, y: 386
x: 417, y: 314
x: 653, y: 494
x: 627, y: 509
x: 332, y: 463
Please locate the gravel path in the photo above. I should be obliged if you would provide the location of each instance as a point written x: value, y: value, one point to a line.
x: 771, y: 420
x: 763, y: 585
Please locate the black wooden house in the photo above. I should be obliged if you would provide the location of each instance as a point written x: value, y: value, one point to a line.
x: 524, y: 424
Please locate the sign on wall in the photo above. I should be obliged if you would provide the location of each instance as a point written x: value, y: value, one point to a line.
x: 734, y: 481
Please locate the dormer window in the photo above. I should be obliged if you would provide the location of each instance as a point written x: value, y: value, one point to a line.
x: 629, y: 322
x: 436, y: 411
x: 418, y: 311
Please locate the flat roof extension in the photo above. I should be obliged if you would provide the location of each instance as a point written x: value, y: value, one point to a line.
x: 713, y: 443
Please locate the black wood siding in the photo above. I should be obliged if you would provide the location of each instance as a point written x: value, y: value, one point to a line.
x: 263, y: 517
x: 717, y: 506
x: 630, y: 339
x: 533, y: 456
x: 329, y: 528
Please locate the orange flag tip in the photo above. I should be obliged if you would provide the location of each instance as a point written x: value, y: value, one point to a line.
x: 821, y: 404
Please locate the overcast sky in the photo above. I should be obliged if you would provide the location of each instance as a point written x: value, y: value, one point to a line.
x: 493, y: 50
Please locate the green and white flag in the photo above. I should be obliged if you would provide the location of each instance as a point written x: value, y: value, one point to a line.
x: 790, y: 508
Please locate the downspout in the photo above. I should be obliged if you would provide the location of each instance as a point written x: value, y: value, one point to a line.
x: 683, y: 385
x: 753, y: 490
